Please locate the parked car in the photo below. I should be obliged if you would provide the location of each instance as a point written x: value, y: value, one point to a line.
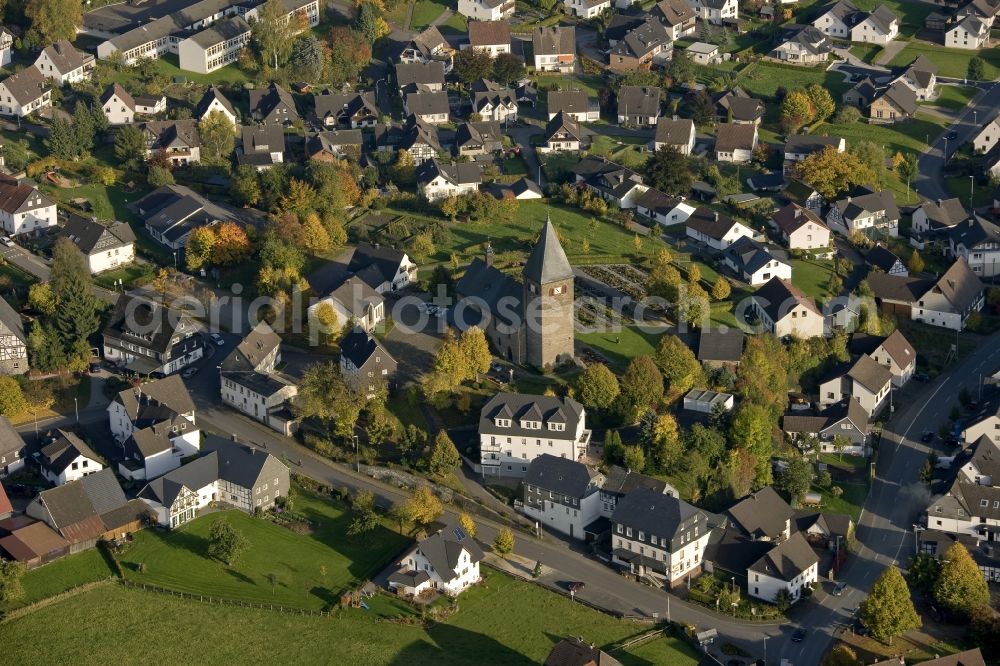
x: 6, y: 240
x: 218, y: 339
x: 798, y: 635
x: 952, y: 135
x: 95, y: 367
x: 928, y: 436
x: 839, y: 588
x: 921, y: 377
x: 189, y: 373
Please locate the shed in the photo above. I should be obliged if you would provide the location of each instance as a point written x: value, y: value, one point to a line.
x: 705, y: 401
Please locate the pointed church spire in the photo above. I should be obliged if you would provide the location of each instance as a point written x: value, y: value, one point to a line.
x: 548, y: 262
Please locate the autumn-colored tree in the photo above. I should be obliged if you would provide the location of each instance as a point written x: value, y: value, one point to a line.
x: 821, y: 101
x: 796, y: 111
x: 350, y: 52
x: 503, y: 545
x: 888, y: 611
x: 316, y: 238
x: 467, y: 523
x: 915, y: 264
x: 423, y: 507
x: 232, y: 245
x: 444, y: 457
x: 597, y: 387
x: 961, y: 586
x: 298, y: 197
x: 199, y: 249
x: 832, y: 172
x: 721, y: 289
x: 218, y: 138
x: 52, y: 20
x: 476, y: 350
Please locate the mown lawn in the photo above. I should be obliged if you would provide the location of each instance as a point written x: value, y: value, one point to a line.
x: 912, y: 15
x: 764, y: 79
x: 620, y: 347
x: 953, y: 97
x: 133, y: 275
x: 455, y: 25
x: 951, y: 62
x: 59, y: 576
x: 107, y: 202
x: 812, y: 276
x: 850, y: 502
x: 866, y: 52
x: 958, y: 186
x: 908, y: 136
x: 426, y: 12
x: 533, y: 620
x: 586, y: 82
x: 179, y: 559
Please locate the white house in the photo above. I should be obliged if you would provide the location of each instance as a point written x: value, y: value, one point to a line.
x: 784, y: 310
x: 801, y: 228
x: 384, y: 269
x: 105, y: 247
x: 562, y: 494
x: 678, y: 133
x: 984, y: 465
x: 250, y: 383
x: 354, y: 300
x: 514, y: 429
x: 791, y: 566
x: 214, y: 47
x: 437, y: 181
x: 493, y: 37
x: 227, y: 472
x: 364, y: 363
x: 659, y: 536
x: 969, y: 33
x: 23, y: 93
x: 67, y: 458
x: 447, y: 562
x: 866, y: 381
x: 879, y: 27
x: 662, y: 208
x: 146, y: 337
x: 967, y: 508
x: 161, y: 401
x: 897, y: 355
x: 735, y: 142
x: 23, y: 209
x: 156, y: 449
x: 11, y: 448
x: 118, y: 105
x: 715, y: 11
x: 6, y: 44
x: 554, y: 49
x: 575, y: 104
x: 214, y: 100
x: 586, y: 9
x: 949, y: 302
x: 938, y: 215
x: 62, y: 63
x: 486, y: 10
x: 875, y: 211
x: 716, y: 230
x: 838, y: 20
x: 977, y: 240
x: 754, y: 262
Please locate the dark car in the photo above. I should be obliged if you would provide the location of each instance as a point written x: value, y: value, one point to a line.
x: 798, y: 635
x: 952, y: 135
x: 95, y: 368
x: 574, y: 586
x: 921, y: 377
x: 860, y: 629
x: 839, y: 588
x: 972, y: 406
x: 927, y: 436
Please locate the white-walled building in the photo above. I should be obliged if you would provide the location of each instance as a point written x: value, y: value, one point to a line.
x: 250, y: 383
x: 554, y: 49
x: 6, y: 45
x: 147, y: 337
x: 514, y: 429
x: 23, y: 209
x: 67, y: 458
x: 436, y: 180
x: 447, y: 562
x: 214, y: 47
x: 562, y: 494
x: 715, y: 11
x: 493, y: 37
x: 866, y: 381
x: 969, y: 33
x: 105, y: 247
x: 154, y: 450
x: 62, y: 63
x: 486, y: 10
x: 23, y: 93
x: 754, y: 262
x: 879, y: 27
x: 870, y: 212
x: 716, y: 230
x: 791, y: 566
x: 958, y: 293
x: 784, y: 310
x: 677, y: 133
x: 801, y: 228
x: 11, y: 448
x: 897, y: 355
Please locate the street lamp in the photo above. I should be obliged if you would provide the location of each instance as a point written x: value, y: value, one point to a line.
x: 765, y: 649
x: 76, y: 408
x: 972, y: 184
x: 357, y: 460
x: 917, y: 529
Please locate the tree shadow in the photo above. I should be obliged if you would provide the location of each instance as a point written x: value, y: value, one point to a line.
x: 327, y: 596
x: 454, y: 645
x: 243, y: 578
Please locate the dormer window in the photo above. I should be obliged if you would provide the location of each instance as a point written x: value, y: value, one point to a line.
x: 503, y: 423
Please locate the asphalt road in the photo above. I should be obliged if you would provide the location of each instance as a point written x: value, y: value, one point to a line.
x: 929, y: 182
x: 35, y: 265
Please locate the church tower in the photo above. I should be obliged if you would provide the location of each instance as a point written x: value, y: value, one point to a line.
x: 548, y: 302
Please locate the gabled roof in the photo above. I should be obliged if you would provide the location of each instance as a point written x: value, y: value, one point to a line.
x: 444, y: 550
x: 15, y: 194
x: 5, y: 505
x: 64, y: 448
x: 156, y: 400
x: 10, y: 324
x: 550, y: 408
x: 734, y: 136
x: 115, y: 90
x: 806, y: 37
x: 461, y: 173
x: 657, y: 514
x: 429, y: 40
x: 10, y: 440
x: 898, y: 288
x: 787, y: 560
x: 811, y: 143
x: 620, y: 481
x: 211, y: 95
x: 741, y: 106
x: 574, y: 652
x: 901, y: 96
x: 842, y: 10
x: 426, y: 103
x: 974, y: 232
x: 263, y: 101
x: 85, y: 233
x: 562, y: 122
x: 489, y: 33
x: 710, y: 222
x: 899, y: 349
x: 761, y: 514
x: 75, y: 508
x: 25, y: 86
x: 554, y: 40
x: 849, y: 410
x: 562, y: 475
x: 883, y: 17
x: 944, y: 212
x: 882, y: 258
x: 642, y: 39
x: 959, y: 285
x: 870, y: 374
x: 749, y: 256
x: 570, y: 101
x: 146, y: 323
x: 673, y: 12
x: 253, y: 349
x: 65, y: 57
x: 346, y: 104
x: 426, y: 73
x: 776, y: 297
x: 852, y: 207
x: 673, y: 131
x: 985, y: 457
x: 358, y: 346
x: 163, y: 134
x: 639, y: 100
x: 793, y: 217
x: 547, y: 261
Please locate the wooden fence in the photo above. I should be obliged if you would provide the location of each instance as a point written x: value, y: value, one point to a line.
x: 220, y: 601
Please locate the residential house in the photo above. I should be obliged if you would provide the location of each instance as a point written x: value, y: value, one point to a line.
x: 983, y: 467
x: 562, y: 494
x: 575, y: 104
x: 715, y: 11
x: 493, y: 37
x: 801, y: 45
x: 522, y: 189
x: 24, y: 93
x: 334, y: 145
x: 427, y: 46
x: 118, y: 105
x: 261, y: 146
x: 430, y: 107
x: 149, y: 105
x: 716, y: 230
x: 878, y: 27
x: 678, y: 133
x: 785, y: 310
x: 587, y: 9
x: 984, y: 10
x: 932, y: 217
x: 977, y: 240
x: 473, y: 139
x: 677, y: 16
x: 968, y: 509
x: 250, y: 382
x: 893, y: 103
x: 575, y: 652
x: 970, y: 33
x: 870, y: 212
x: 984, y: 553
x: 797, y: 192
x: 105, y: 247
x: 217, y: 46
x: 171, y: 212
x: 384, y: 269
x: 447, y: 562
x: 214, y: 100
x: 720, y: 347
x: 554, y: 49
x: 988, y: 136
x: 646, y: 44
x: 30, y: 542
x: 612, y: 182
x: 884, y: 260
x: 6, y: 44
x: 825, y: 530
x: 353, y: 299
x: 418, y: 138
x: 735, y: 143
x: 662, y: 208
x: 847, y: 419
x: 62, y: 63
x: 866, y: 381
x: 420, y: 77
x: 493, y: 101
x: 659, y: 537
x: 272, y: 105
x: 801, y: 228
x: 837, y: 20
x: 638, y: 106
x: 163, y: 401
x: 146, y: 337
x: 921, y: 76
x: 789, y: 567
x: 23, y: 209
x: 486, y: 10
x: 800, y: 146
x: 762, y: 516
x: 351, y: 110
x: 737, y: 107
x: 64, y: 457
x: 755, y: 263
x: 562, y: 133
x: 703, y: 53
x: 227, y: 472
x: 364, y: 363
x: 11, y: 448
x: 618, y: 483
x: 514, y: 429
x: 179, y: 140
x: 436, y: 180
x: 949, y: 302
x: 897, y: 355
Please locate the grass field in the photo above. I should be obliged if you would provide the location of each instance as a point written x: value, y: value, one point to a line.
x: 586, y: 82
x: 533, y: 620
x: 909, y: 136
x: 59, y: 576
x: 812, y: 276
x: 850, y: 502
x: 912, y: 15
x: 953, y: 97
x: 622, y: 346
x: 133, y: 275
x: 866, y: 52
x: 764, y: 79
x: 426, y: 12
x: 178, y: 559
x: 108, y: 202
x: 12, y: 275
x: 455, y: 25
x: 958, y: 186
x: 951, y: 62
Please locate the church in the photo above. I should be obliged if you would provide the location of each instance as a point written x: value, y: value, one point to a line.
x: 527, y: 321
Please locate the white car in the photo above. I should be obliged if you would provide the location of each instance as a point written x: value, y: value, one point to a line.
x: 218, y: 339
x: 6, y: 240
x: 189, y: 373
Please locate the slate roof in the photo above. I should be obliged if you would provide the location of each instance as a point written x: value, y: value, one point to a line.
x: 836, y: 524
x: 849, y: 410
x: 639, y: 100
x: 710, y: 223
x: 944, y: 212
x: 259, y: 141
x: 461, y: 173
x: 115, y: 89
x: 75, y: 508
x: 561, y: 122
x: 25, y: 86
x: 883, y: 17
x: 775, y: 295
x: 898, y: 288
x: 156, y: 400
x: 882, y: 258
x: 749, y: 256
x: 426, y: 103
x: 358, y: 346
x: 63, y: 450
x: 429, y: 40
x: 656, y: 513
x: 347, y: 104
x: 673, y: 131
x: 732, y: 136
x: 253, y: 349
x: 741, y: 106
x: 385, y: 261
x: 561, y: 475
x: 86, y: 233
x: 425, y: 73
x: 145, y: 323
x: 807, y: 37
x: 65, y: 57
x: 959, y: 285
x: 10, y: 440
x: 985, y: 456
x: 265, y: 100
x: 656, y: 201
x: 761, y: 514
x: 792, y: 217
x: 574, y: 652
x: 489, y: 33
x: 673, y: 12
x: 870, y: 374
x: 788, y: 559
x: 166, y: 133
x: 720, y: 345
x: 620, y: 481
x: 444, y: 549
x: 10, y: 321
x: 549, y: 409
x: 642, y: 40
x: 491, y: 285
x: 810, y: 143
x: 899, y: 349
x: 852, y: 207
x: 212, y: 94
x: 547, y: 261
x: 554, y: 40
x: 15, y: 193
x: 973, y: 232
x: 487, y: 92
x: 221, y: 31
x: 902, y: 97
x: 843, y: 10
x: 920, y: 71
x: 570, y: 101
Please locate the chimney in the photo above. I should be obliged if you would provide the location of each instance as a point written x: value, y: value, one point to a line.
x: 234, y: 437
x: 972, y: 220
x: 848, y: 198
x: 716, y: 215
x: 938, y: 202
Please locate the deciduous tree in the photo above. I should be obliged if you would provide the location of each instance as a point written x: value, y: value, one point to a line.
x: 831, y: 172
x: 476, y: 350
x: 641, y: 387
x: 597, y: 387
x: 796, y: 110
x: 52, y: 20
x: 218, y: 138
x: 634, y: 458
x: 245, y: 185
x: 678, y: 364
x: 821, y: 101
x: 12, y: 402
x: 10, y: 580
x: 796, y: 478
x: 503, y: 545
x: 444, y: 457
x: 961, y: 586
x: 670, y: 172
x: 272, y: 33
x: 232, y: 245
x: 130, y: 145
x: 467, y: 523
x: 365, y: 519
x: 225, y: 542
x: 350, y: 52
x: 721, y: 289
x: 507, y: 68
x: 915, y: 264
x: 472, y: 65
x: 888, y: 611
x: 751, y: 431
x: 423, y: 507
x: 323, y: 394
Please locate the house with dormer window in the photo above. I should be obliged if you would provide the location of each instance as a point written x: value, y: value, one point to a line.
x: 447, y: 562
x: 514, y: 429
x: 146, y: 337
x: 562, y: 494
x: 67, y: 458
